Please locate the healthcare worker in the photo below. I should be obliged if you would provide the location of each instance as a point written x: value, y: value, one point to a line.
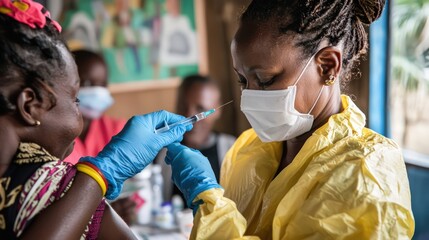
x: 308, y: 168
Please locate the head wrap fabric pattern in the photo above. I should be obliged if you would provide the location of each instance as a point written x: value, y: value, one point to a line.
x: 28, y: 12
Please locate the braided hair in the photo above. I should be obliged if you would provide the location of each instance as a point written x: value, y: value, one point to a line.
x: 30, y: 57
x: 337, y: 21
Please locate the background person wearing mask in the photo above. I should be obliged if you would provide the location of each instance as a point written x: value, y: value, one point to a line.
x: 94, y: 100
x: 198, y: 93
x: 308, y: 168
x: 98, y: 129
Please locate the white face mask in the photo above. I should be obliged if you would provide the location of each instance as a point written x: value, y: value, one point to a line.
x: 272, y: 114
x: 94, y: 101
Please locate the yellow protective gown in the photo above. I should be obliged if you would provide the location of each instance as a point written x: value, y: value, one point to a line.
x: 347, y: 182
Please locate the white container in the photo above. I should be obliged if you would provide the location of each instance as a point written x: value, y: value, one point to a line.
x: 157, y: 182
x: 143, y: 196
x: 185, y: 220
x: 164, y: 218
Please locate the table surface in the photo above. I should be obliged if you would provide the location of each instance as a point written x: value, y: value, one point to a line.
x: 144, y: 232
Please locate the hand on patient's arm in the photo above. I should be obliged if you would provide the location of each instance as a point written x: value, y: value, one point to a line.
x: 134, y: 148
x: 127, y: 154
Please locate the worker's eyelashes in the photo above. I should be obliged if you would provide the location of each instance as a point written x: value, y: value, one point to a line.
x: 264, y: 84
x: 242, y: 81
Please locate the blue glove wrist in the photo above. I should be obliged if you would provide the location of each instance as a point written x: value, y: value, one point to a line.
x: 193, y: 194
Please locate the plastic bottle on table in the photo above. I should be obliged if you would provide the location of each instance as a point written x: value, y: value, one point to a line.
x: 143, y: 196
x: 157, y: 182
x: 177, y: 205
x: 164, y: 218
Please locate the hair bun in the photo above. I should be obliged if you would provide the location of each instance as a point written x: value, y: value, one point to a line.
x: 367, y: 11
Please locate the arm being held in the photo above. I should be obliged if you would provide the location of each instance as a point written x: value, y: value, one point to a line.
x: 127, y: 154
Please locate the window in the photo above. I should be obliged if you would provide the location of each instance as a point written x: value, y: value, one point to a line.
x: 409, y: 81
x: 408, y: 101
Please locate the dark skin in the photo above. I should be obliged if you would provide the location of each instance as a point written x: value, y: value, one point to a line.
x: 173, y: 7
x: 93, y: 72
x: 264, y: 61
x: 60, y: 125
x: 198, y: 98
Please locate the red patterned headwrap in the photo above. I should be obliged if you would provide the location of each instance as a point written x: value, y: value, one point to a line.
x: 28, y: 12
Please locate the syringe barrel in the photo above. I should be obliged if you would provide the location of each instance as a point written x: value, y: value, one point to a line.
x: 200, y: 116
x: 185, y: 122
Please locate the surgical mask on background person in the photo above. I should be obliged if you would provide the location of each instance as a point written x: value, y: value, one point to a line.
x: 94, y: 101
x: 272, y: 113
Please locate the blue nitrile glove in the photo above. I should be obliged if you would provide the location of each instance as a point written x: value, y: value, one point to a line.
x: 191, y: 172
x: 135, y: 147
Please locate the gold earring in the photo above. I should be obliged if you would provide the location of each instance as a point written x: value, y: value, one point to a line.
x: 37, y: 123
x: 330, y: 81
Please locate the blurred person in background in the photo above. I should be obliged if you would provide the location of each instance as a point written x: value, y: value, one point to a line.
x: 98, y: 129
x: 199, y: 93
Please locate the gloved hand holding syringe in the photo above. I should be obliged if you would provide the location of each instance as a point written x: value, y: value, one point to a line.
x: 190, y: 120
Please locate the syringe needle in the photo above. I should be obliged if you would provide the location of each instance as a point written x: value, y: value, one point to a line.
x: 223, y: 105
x: 190, y: 120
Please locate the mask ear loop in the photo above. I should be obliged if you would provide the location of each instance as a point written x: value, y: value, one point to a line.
x: 303, y: 70
x: 317, y: 99
x: 299, y: 78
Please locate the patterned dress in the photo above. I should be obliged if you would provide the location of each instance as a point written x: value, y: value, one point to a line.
x: 34, y: 180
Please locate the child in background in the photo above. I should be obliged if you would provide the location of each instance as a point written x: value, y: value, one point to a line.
x: 196, y: 94
x: 199, y: 93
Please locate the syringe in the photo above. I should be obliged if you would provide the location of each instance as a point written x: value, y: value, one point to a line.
x: 190, y: 120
